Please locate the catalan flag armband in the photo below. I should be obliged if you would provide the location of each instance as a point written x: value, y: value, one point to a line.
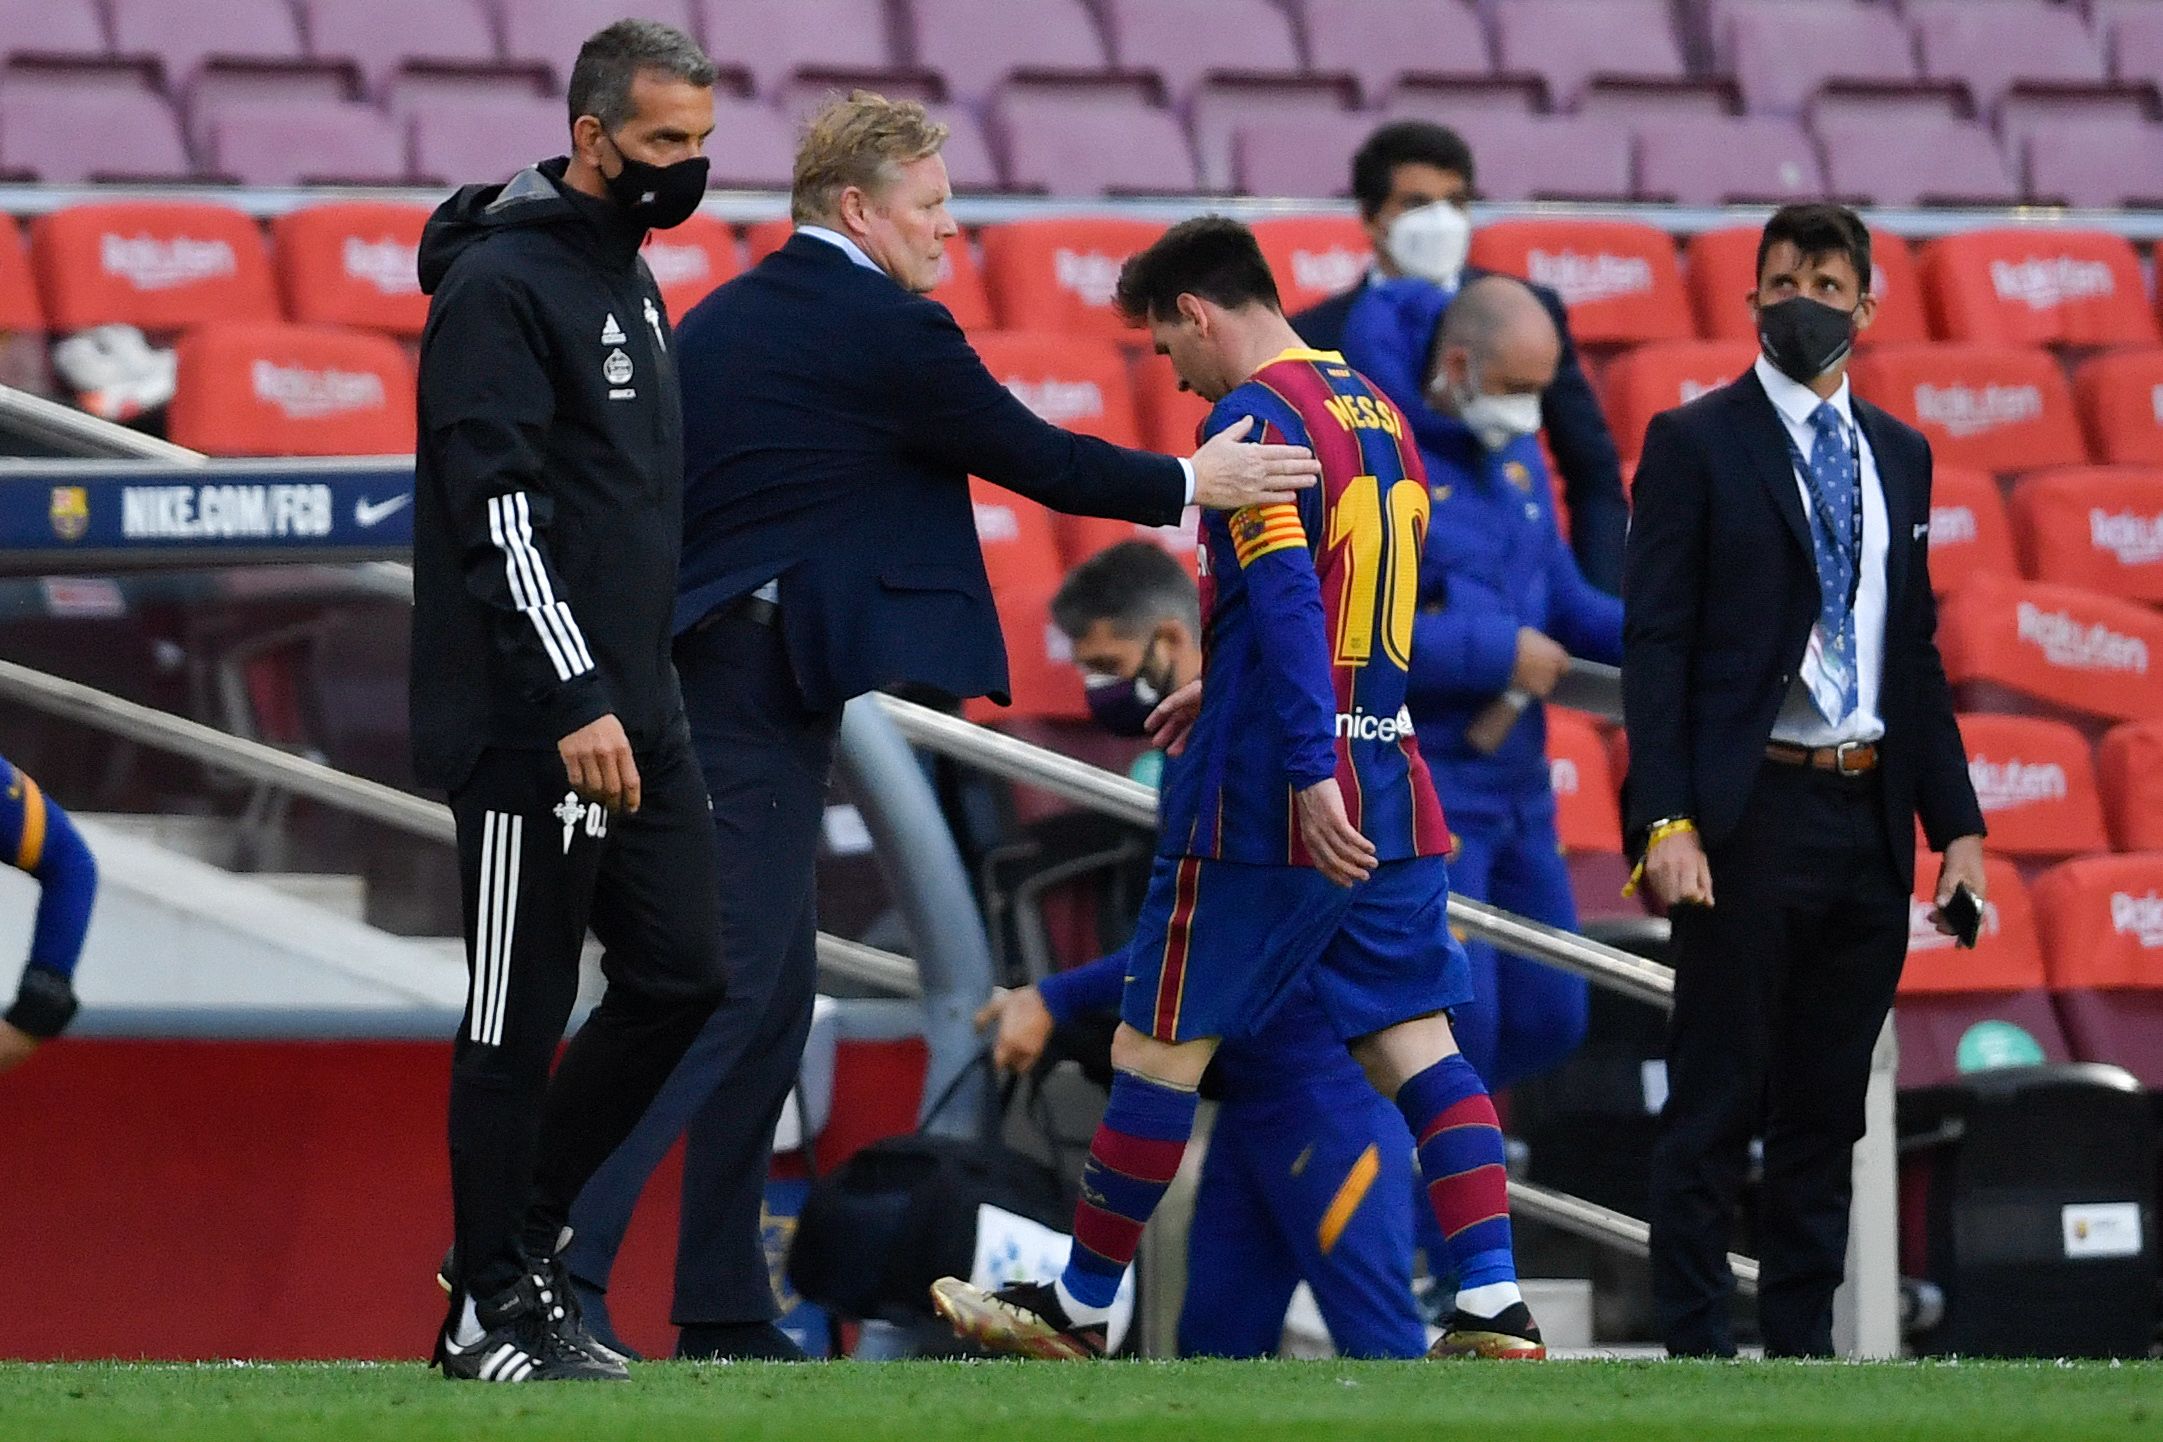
x: 1259, y: 530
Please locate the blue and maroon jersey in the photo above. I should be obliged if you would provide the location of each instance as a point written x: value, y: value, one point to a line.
x: 1307, y: 632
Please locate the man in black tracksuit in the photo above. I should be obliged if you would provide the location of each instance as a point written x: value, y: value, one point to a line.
x: 549, y: 496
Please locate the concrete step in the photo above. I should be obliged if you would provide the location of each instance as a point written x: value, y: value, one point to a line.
x: 213, y: 839
x: 347, y: 896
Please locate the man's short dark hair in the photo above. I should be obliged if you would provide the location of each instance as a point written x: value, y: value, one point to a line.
x: 1134, y: 585
x: 1818, y: 229
x: 1212, y: 256
x: 1405, y: 142
x: 612, y: 58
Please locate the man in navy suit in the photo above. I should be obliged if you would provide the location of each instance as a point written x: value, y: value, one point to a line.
x: 832, y: 417
x: 1789, y: 719
x: 1413, y: 180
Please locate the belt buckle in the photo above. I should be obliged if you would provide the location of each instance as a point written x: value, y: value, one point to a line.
x: 1843, y: 751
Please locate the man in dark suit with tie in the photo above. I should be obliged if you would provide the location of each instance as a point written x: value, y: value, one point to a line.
x: 1413, y: 180
x: 1789, y: 719
x: 832, y: 417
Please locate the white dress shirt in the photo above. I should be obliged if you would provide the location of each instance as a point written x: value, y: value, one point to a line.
x: 1800, y: 722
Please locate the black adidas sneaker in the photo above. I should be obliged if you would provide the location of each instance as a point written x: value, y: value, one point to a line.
x: 555, y: 1272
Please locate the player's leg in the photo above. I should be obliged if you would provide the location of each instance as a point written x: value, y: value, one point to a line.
x: 1240, y: 1273
x: 1542, y: 1011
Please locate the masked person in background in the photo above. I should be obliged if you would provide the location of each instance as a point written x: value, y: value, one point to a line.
x: 1414, y: 181
x: 1309, y: 1172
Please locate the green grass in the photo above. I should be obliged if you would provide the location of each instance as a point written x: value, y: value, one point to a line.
x: 1021, y: 1402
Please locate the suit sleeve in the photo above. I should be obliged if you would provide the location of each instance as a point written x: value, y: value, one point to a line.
x: 487, y: 396
x: 949, y: 407
x: 1944, y: 793
x: 1584, y: 451
x: 1663, y: 594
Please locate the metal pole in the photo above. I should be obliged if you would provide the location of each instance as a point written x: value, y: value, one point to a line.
x: 1866, y: 1309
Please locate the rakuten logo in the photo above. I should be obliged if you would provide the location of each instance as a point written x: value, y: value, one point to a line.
x: 1584, y: 278
x: 2046, y: 282
x: 392, y: 268
x: 1060, y: 402
x: 148, y: 263
x: 2065, y: 642
x: 1090, y: 274
x: 677, y: 264
x: 2003, y: 785
x: 1364, y: 725
x: 1923, y: 934
x: 2139, y: 916
x: 2134, y: 540
x: 1952, y: 526
x: 309, y: 395
x: 1965, y: 411
x: 996, y: 523
x: 1332, y: 270
x: 1562, y: 776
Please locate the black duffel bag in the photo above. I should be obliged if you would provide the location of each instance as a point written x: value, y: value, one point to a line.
x: 902, y: 1213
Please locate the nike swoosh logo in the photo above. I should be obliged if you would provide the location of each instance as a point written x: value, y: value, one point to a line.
x: 368, y: 513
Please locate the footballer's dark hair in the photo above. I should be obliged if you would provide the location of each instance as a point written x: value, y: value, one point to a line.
x: 614, y: 57
x: 1134, y: 585
x: 1818, y: 229
x: 1405, y: 142
x: 1211, y: 256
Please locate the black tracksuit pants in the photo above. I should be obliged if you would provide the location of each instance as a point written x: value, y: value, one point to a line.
x: 540, y: 867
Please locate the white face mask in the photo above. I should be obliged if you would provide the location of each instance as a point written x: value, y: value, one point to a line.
x: 1431, y: 242
x: 1498, y: 420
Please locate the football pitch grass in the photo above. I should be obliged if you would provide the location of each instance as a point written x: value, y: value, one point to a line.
x: 1023, y: 1402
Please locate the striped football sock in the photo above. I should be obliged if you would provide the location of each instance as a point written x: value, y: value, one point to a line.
x: 1460, y: 1155
x: 1131, y: 1162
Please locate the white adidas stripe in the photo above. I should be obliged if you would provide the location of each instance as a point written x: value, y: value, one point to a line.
x: 484, y: 950
x: 495, y: 925
x: 510, y: 529
x: 558, y: 612
x: 507, y: 922
x: 506, y: 1364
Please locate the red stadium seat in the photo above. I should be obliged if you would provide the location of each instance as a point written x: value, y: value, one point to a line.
x: 1314, y: 256
x: 1059, y: 275
x: 1171, y: 417
x: 2097, y: 527
x: 1619, y: 278
x: 2129, y: 768
x: 19, y: 309
x: 2121, y: 404
x: 352, y: 264
x: 1586, y: 814
x: 1022, y: 558
x: 690, y: 259
x: 1653, y: 378
x: 1081, y: 384
x: 2035, y: 781
x: 960, y: 290
x: 2033, y: 286
x: 292, y: 390
x: 1723, y: 272
x: 1999, y: 408
x: 1969, y: 535
x: 161, y: 266
x: 2101, y: 920
x: 1953, y: 1003
x: 2013, y: 644
x: 1081, y: 537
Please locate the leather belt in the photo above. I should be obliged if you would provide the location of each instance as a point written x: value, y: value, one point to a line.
x: 756, y: 609
x: 1849, y: 758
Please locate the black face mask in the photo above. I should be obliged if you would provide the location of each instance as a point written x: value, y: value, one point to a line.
x: 657, y: 196
x: 1804, y: 338
x: 1122, y: 704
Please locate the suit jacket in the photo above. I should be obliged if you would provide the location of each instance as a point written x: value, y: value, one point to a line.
x: 1719, y: 596
x: 1577, y: 434
x: 831, y: 423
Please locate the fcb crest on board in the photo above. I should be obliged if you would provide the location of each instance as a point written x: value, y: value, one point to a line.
x: 70, y: 512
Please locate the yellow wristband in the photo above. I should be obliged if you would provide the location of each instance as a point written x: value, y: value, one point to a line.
x: 1673, y: 826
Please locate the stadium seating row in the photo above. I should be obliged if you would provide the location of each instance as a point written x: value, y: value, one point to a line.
x: 1089, y: 96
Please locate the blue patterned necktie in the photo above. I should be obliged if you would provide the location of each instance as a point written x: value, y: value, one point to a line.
x: 1828, y: 667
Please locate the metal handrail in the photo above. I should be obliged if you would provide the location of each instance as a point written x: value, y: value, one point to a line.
x: 82, y: 434
x: 1607, y: 1226
x: 356, y: 795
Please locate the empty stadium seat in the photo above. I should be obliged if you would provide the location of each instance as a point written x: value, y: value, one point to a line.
x: 1021, y: 556
x: 1059, y: 275
x: 2121, y: 405
x: 1573, y: 42
x: 1969, y: 533
x: 305, y: 142
x: 2025, y: 645
x: 2134, y: 36
x: 2035, y: 781
x: 1954, y: 1006
x: 1310, y: 159
x: 1226, y: 105
x: 184, y: 38
x: 1186, y: 41
x: 1618, y: 278
x: 1080, y: 384
x: 1081, y: 139
x: 381, y: 38
x: 1780, y: 55
x: 65, y: 137
x: 1380, y: 42
x: 1457, y: 100
x: 960, y: 288
x: 976, y: 47
x: 354, y: 264
x: 1314, y: 257
x: 2030, y: 286
x: 1722, y: 267
x: 2093, y: 163
x: 752, y: 146
x: 1920, y: 161
x: 1171, y: 417
x: 689, y: 260
x: 161, y: 266
x: 777, y: 42
x: 2097, y: 527
x: 2000, y: 408
x: 1587, y: 816
x: 2101, y: 920
x: 20, y: 312
x: 549, y: 32
x: 291, y: 390
x: 2129, y: 772
x: 1081, y: 537
x: 1641, y: 383
x: 1541, y: 157
x: 1991, y: 48
x: 462, y: 140
x: 1717, y: 160
x: 45, y: 28
x: 970, y: 164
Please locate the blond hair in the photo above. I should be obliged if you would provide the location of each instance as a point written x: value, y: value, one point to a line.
x: 858, y: 141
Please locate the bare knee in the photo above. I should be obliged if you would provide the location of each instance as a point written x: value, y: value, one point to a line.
x: 1395, y: 1055
x: 1178, y: 1064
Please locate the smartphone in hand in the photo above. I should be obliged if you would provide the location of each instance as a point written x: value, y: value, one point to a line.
x: 1964, y: 913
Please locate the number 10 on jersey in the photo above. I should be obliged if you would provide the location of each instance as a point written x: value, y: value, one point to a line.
x: 1380, y: 555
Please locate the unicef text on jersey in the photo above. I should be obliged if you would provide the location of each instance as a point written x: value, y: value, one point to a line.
x: 225, y: 513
